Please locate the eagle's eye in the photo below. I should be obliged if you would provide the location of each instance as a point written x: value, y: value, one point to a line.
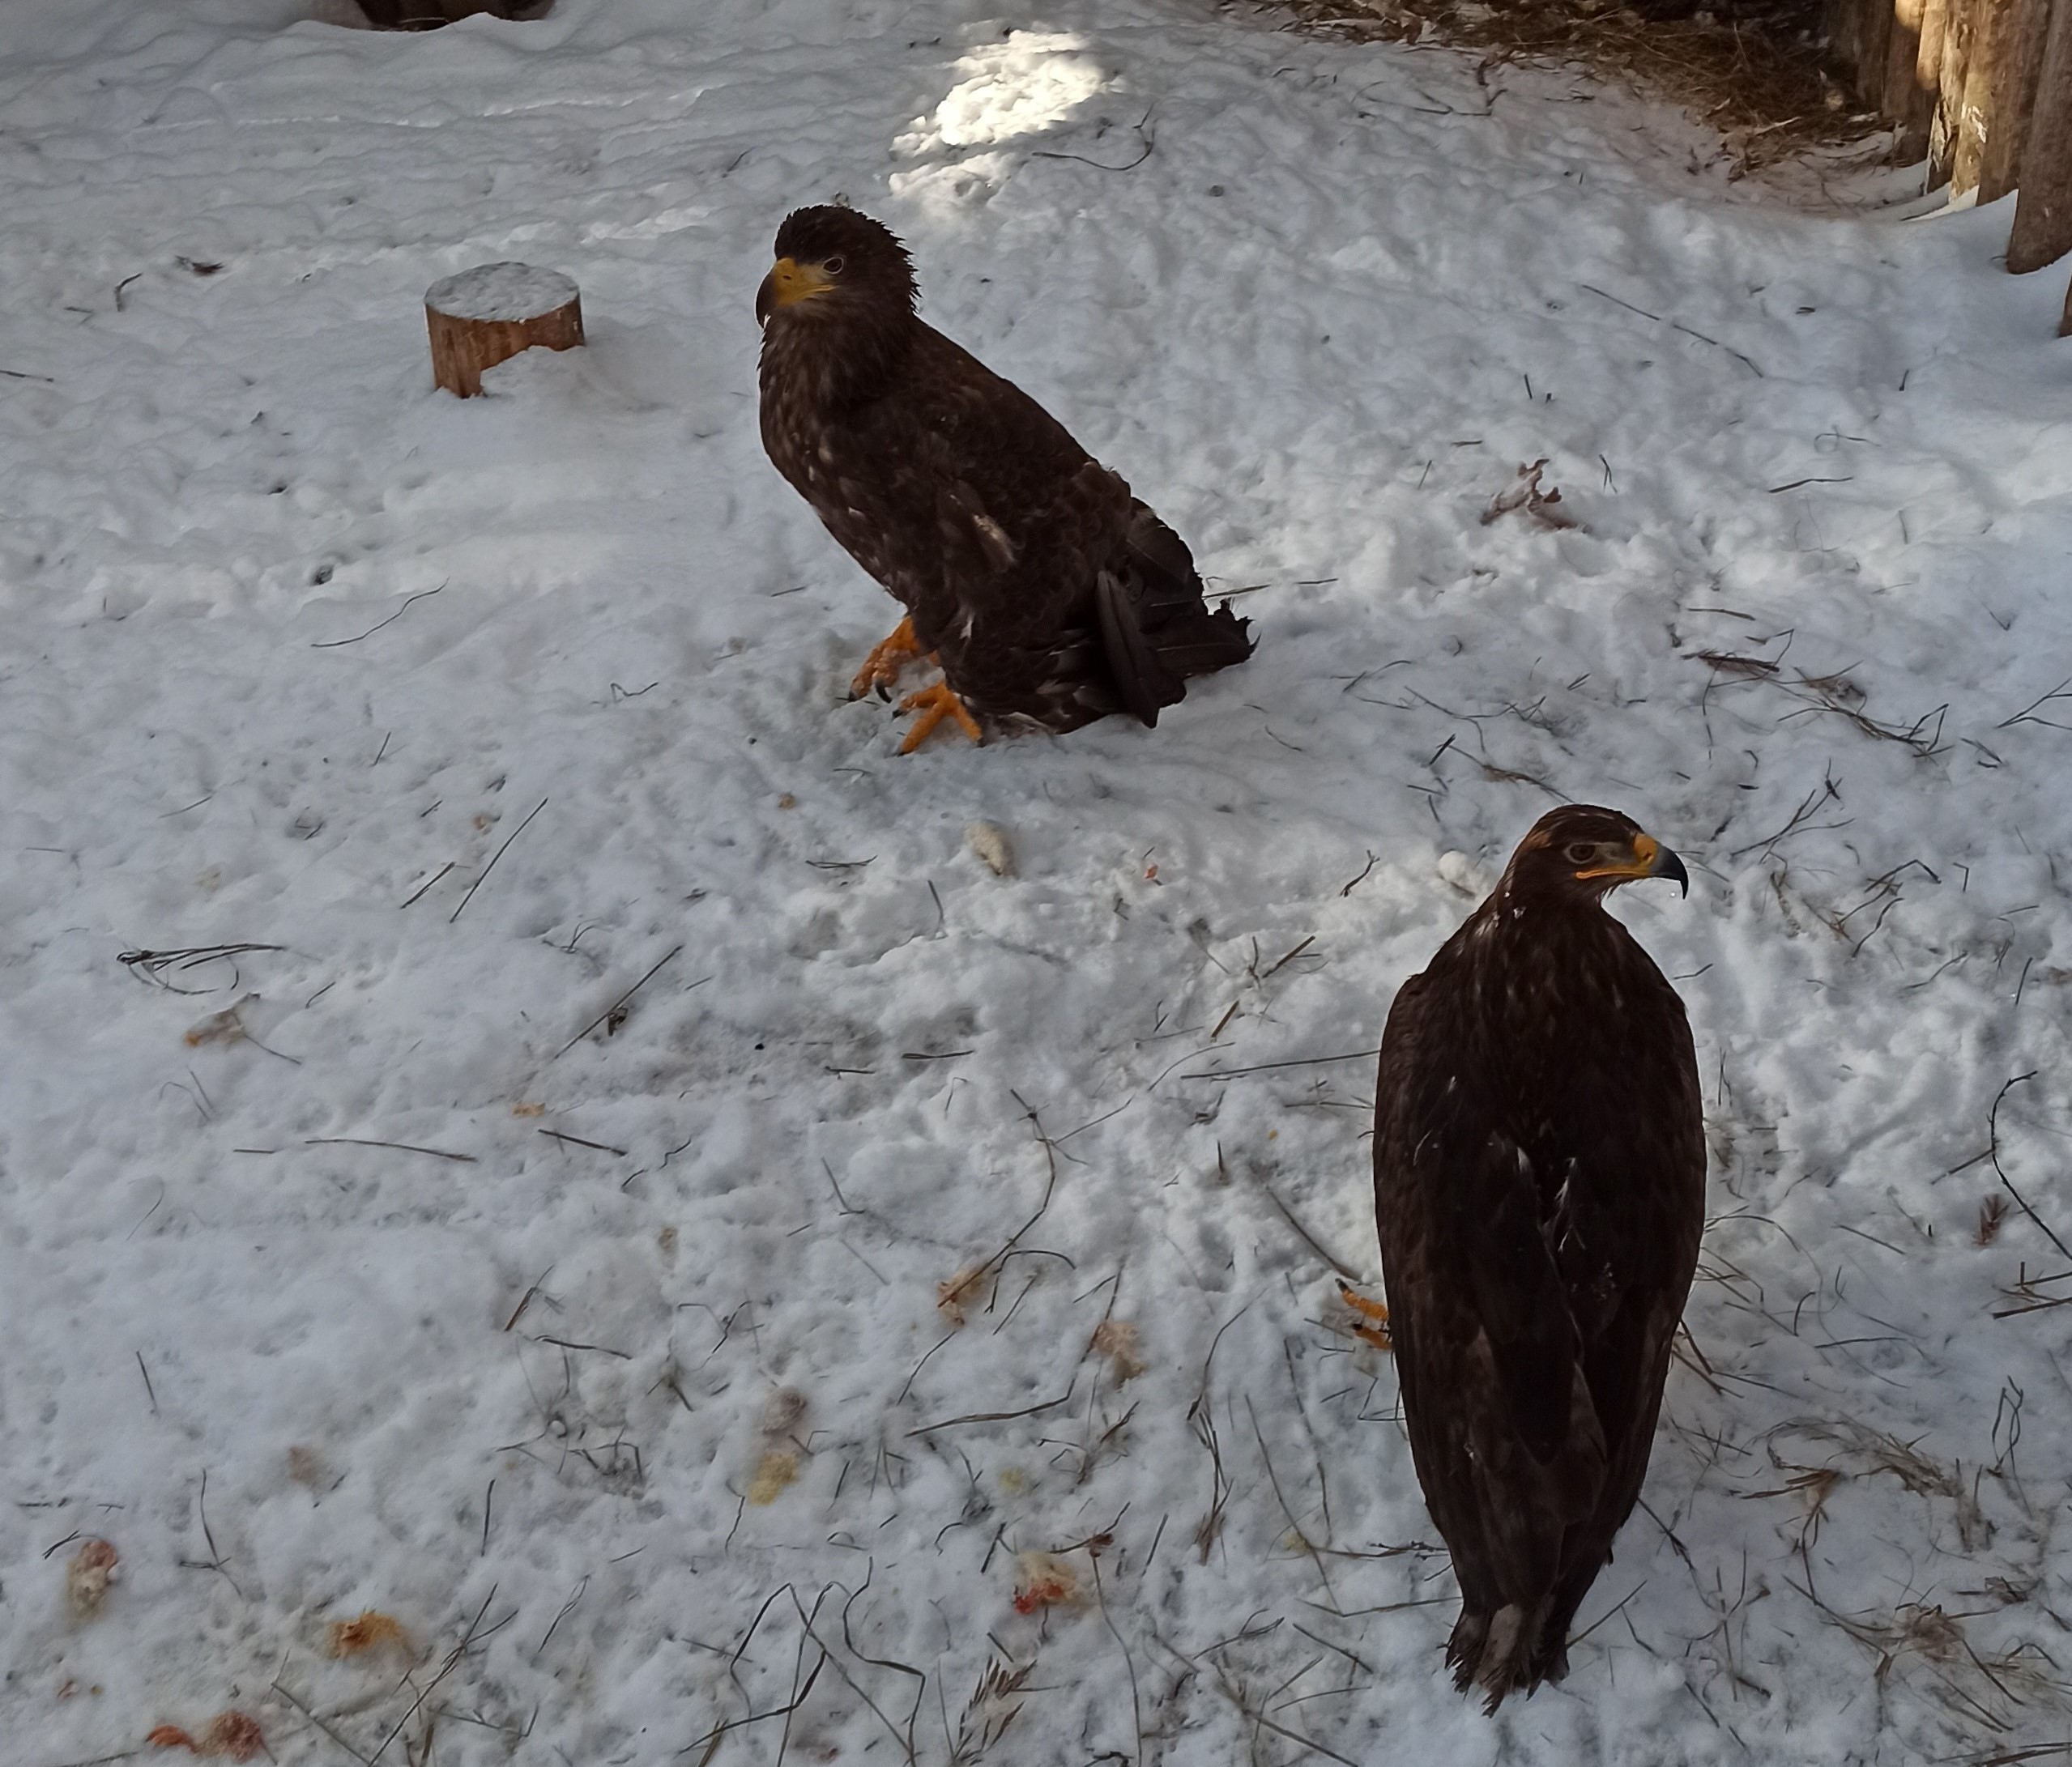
x: 833, y: 266
x: 1580, y: 852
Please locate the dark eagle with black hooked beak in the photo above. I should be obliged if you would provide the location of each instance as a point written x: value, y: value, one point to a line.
x: 1046, y: 590
x: 1539, y: 1168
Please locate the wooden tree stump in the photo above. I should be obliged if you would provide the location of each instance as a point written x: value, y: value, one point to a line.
x: 430, y: 15
x: 489, y: 314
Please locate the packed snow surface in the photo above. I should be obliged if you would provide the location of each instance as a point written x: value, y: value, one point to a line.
x: 524, y: 1116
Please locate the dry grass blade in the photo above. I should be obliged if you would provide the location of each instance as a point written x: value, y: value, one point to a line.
x: 400, y: 1147
x: 995, y: 1704
x: 469, y: 1639
x: 1992, y: 1134
x: 1750, y: 70
x: 1201, y: 1419
x: 1237, y: 1697
x: 995, y: 1417
x: 150, y: 965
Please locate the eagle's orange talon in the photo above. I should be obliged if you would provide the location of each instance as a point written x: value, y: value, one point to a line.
x: 1374, y: 1312
x: 881, y: 667
x: 935, y: 704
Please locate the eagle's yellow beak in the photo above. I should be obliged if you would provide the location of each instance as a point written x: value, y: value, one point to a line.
x: 787, y: 282
x: 1647, y: 858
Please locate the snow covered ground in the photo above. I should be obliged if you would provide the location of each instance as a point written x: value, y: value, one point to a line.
x: 662, y: 1370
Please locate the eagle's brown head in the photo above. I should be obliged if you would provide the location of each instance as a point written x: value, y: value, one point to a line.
x: 1581, y: 853
x: 834, y: 263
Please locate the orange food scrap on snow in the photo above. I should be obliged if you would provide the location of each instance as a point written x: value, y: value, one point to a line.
x: 1042, y: 1580
x: 1116, y: 1340
x: 369, y: 1631
x: 86, y: 1576
x: 235, y: 1734
x: 528, y: 1110
x: 223, y: 1027
x: 951, y: 1295
x: 781, y: 1416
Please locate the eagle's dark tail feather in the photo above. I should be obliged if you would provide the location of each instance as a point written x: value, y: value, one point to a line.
x: 1156, y: 626
x: 1515, y: 1647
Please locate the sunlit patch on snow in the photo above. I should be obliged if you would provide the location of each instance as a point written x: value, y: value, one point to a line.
x: 960, y: 182
x: 676, y: 220
x: 1034, y: 83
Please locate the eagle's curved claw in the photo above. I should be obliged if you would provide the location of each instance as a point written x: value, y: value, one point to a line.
x: 881, y: 668
x: 935, y: 704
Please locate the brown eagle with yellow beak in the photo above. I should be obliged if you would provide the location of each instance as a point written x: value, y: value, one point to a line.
x: 1539, y: 1167
x: 1047, y: 593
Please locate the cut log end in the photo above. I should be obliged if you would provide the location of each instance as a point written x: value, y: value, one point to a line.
x: 489, y: 314
x: 431, y: 15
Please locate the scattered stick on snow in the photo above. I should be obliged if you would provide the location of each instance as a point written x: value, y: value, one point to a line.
x: 417, y: 893
x: 492, y: 865
x: 997, y: 1417
x: 614, y: 1014
x: 556, y: 1134
x: 1992, y: 1132
x: 151, y: 965
x: 338, y: 643
x: 2027, y: 714
x: 401, y: 1147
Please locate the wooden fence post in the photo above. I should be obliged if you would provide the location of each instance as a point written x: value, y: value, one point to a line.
x: 1901, y: 97
x: 1842, y: 24
x: 1858, y: 31
x: 1873, y: 43
x: 2002, y: 89
x: 1928, y: 60
x: 1959, y: 23
x: 2043, y: 210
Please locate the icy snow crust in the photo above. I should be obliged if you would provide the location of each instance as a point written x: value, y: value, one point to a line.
x: 501, y: 291
x: 1824, y: 468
